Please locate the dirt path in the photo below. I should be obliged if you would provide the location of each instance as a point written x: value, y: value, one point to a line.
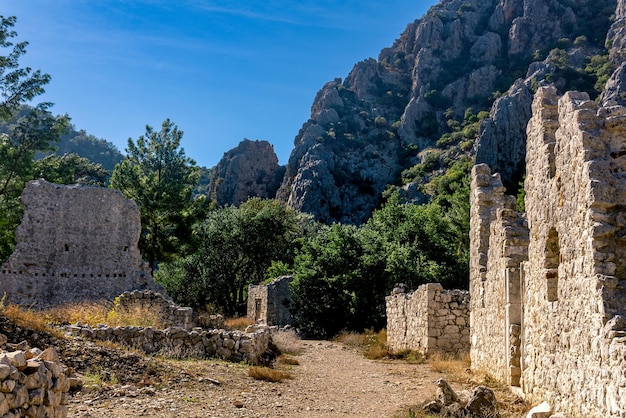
x: 331, y: 381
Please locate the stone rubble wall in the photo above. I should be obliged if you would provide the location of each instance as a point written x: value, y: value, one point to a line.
x: 169, y: 314
x: 428, y: 320
x: 33, y: 383
x: 499, y: 240
x: 548, y: 288
x: 75, y: 243
x: 574, y: 349
x: 271, y: 303
x: 182, y: 343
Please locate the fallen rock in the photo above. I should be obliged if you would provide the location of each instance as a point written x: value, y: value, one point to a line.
x: 445, y: 394
x: 483, y: 403
x: 543, y: 410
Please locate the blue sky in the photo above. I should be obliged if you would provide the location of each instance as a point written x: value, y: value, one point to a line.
x: 221, y: 70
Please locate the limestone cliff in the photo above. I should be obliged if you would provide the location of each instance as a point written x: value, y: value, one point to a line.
x: 250, y: 169
x: 388, y: 114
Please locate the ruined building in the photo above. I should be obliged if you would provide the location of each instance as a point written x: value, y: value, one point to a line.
x: 75, y: 243
x: 270, y: 303
x: 548, y: 298
x: 428, y: 320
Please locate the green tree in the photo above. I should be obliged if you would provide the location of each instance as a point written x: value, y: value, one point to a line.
x: 34, y: 130
x: 71, y: 169
x: 160, y: 178
x: 327, y: 268
x: 234, y: 247
x: 420, y: 244
x: 18, y: 84
x: 343, y: 273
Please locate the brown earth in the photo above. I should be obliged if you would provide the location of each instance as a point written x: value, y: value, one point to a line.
x: 331, y: 380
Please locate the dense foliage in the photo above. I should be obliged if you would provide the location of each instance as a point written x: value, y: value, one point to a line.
x: 235, y: 246
x: 343, y: 274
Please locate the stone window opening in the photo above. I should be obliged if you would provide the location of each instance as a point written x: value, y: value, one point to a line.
x: 257, y: 309
x: 66, y: 247
x: 551, y: 265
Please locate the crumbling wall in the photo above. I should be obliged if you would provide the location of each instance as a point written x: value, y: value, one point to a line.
x: 168, y: 313
x: 182, y: 343
x: 548, y: 295
x: 498, y: 240
x: 574, y: 340
x: 33, y: 383
x: 74, y: 243
x: 271, y: 303
x: 428, y: 320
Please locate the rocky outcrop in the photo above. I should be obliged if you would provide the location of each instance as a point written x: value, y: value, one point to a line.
x: 249, y: 170
x: 364, y: 130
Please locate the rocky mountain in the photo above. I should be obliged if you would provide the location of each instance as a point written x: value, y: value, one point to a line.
x: 250, y: 169
x: 457, y: 85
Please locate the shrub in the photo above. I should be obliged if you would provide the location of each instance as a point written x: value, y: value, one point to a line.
x: 240, y: 323
x: 267, y: 374
x: 27, y: 318
x: 287, y: 342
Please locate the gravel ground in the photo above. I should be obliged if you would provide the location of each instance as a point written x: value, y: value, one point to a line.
x: 332, y: 380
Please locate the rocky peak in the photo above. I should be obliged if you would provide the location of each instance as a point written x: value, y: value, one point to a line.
x: 453, y: 62
x: 249, y: 170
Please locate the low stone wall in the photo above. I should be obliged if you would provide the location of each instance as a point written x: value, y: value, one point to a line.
x: 169, y: 314
x: 428, y: 320
x: 33, y: 383
x: 182, y: 343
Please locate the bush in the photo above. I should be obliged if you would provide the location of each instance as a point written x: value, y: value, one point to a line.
x: 267, y: 374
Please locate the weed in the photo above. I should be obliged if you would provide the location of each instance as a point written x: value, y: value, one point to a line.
x: 191, y: 400
x: 288, y: 360
x: 270, y: 375
x: 240, y: 323
x: 287, y: 342
x: 456, y: 365
x: 95, y: 313
x: 28, y: 318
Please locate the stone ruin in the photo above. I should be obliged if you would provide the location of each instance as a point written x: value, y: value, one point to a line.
x: 270, y: 303
x: 428, y: 320
x: 75, y: 243
x: 548, y: 287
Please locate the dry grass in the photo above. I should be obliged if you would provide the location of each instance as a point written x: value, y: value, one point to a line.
x: 240, y: 323
x: 373, y: 345
x: 287, y: 360
x: 27, y: 318
x: 267, y: 374
x: 455, y: 365
x: 96, y: 313
x: 287, y: 342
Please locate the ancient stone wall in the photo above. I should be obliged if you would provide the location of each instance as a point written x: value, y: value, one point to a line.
x: 499, y: 240
x: 270, y: 303
x: 428, y: 320
x: 574, y: 349
x: 33, y: 383
x: 182, y: 343
x: 168, y: 313
x: 548, y: 297
x: 74, y: 243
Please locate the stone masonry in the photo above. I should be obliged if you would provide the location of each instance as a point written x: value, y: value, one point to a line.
x: 181, y: 343
x: 428, y: 320
x: 548, y: 307
x: 270, y: 303
x: 74, y: 243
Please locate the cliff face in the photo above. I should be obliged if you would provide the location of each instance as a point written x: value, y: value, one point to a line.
x: 456, y: 85
x: 366, y: 129
x: 250, y: 169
